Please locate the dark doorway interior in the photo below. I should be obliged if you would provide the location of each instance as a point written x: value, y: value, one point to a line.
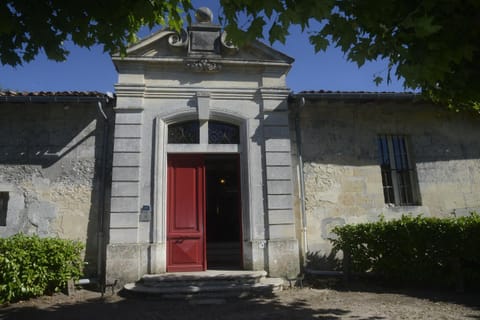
x: 223, y: 212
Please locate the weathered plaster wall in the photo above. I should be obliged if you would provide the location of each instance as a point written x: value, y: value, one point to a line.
x: 341, y: 167
x: 49, y: 164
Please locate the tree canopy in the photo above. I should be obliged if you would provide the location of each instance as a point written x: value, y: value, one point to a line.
x: 434, y: 45
x: 28, y: 27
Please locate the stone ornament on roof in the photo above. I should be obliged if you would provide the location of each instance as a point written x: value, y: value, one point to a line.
x: 204, y: 15
x: 203, y: 42
x: 179, y: 39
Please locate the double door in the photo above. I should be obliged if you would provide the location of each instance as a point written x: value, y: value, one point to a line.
x: 203, y: 191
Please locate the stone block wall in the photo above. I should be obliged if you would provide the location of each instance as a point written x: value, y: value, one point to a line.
x: 343, y: 182
x: 50, y: 165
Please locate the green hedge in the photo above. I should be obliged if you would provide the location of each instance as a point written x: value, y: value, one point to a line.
x: 31, y: 266
x: 429, y: 250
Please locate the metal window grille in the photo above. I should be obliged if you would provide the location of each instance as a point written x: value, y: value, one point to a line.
x: 184, y: 132
x: 188, y: 132
x: 222, y: 133
x: 400, y: 185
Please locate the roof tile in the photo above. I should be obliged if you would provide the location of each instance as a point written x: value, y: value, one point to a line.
x: 11, y: 93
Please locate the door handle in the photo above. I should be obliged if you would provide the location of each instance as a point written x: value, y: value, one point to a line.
x: 179, y: 241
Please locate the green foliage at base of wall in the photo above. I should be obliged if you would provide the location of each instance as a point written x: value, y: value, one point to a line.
x: 31, y: 266
x: 414, y: 249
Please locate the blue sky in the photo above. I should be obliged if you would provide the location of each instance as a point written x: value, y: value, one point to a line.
x: 92, y: 70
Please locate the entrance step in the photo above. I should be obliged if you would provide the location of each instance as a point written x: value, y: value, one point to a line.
x: 212, y: 283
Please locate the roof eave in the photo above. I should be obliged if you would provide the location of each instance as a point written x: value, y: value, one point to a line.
x: 55, y: 98
x: 358, y: 96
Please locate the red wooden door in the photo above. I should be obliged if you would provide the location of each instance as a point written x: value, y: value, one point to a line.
x: 186, y: 213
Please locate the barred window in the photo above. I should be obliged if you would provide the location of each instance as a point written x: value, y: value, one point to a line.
x: 188, y: 132
x: 3, y: 208
x: 399, y: 179
x: 184, y: 132
x: 222, y: 133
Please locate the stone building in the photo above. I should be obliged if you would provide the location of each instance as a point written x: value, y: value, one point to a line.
x: 366, y: 155
x: 206, y: 160
x: 196, y: 115
x: 54, y: 159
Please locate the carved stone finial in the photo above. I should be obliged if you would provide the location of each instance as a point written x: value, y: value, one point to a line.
x: 204, y: 15
x: 228, y: 46
x: 178, y: 39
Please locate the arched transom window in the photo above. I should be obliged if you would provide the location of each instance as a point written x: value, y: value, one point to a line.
x: 184, y: 132
x: 188, y: 132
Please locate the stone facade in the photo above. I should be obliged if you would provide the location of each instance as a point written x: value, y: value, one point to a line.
x: 195, y: 75
x: 52, y: 151
x: 343, y: 180
x: 77, y: 167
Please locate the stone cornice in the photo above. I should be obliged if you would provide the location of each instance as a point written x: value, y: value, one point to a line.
x: 152, y: 92
x: 274, y: 93
x: 225, y: 62
x: 182, y: 92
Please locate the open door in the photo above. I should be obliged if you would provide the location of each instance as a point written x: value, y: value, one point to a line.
x: 223, y: 212
x: 186, y: 213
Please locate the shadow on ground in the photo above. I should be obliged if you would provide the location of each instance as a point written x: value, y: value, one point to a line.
x: 469, y: 299
x: 354, y: 303
x: 143, y: 308
x: 370, y: 283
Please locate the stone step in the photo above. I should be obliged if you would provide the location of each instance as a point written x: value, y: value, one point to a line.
x: 239, y: 276
x: 211, y: 290
x: 196, y: 283
x: 212, y: 283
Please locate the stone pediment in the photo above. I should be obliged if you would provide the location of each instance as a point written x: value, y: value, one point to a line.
x: 202, y: 40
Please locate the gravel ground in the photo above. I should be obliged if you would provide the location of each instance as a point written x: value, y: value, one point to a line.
x: 289, y: 304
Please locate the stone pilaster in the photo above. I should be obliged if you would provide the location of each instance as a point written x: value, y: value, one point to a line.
x: 123, y: 248
x: 282, y: 246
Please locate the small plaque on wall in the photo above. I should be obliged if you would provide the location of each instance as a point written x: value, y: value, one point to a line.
x: 145, y: 214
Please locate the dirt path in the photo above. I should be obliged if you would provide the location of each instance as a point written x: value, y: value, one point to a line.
x: 288, y: 304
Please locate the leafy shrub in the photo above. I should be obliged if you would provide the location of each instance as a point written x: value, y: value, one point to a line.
x: 31, y: 266
x: 429, y: 250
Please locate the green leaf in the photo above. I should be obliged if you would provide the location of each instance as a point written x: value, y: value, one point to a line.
x: 424, y: 26
x: 319, y: 42
x: 277, y: 33
x: 256, y: 28
x: 378, y: 80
